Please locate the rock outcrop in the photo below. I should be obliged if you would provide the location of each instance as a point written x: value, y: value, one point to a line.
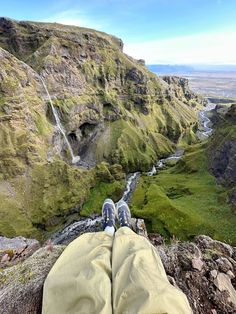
x: 180, y: 88
x: 203, y: 269
x: 16, y: 249
x: 21, y: 286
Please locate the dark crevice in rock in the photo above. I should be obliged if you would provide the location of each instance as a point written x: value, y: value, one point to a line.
x: 72, y: 136
x: 86, y: 129
x: 108, y: 106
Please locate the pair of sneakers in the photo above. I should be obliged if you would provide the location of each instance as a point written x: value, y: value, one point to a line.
x: 110, y: 211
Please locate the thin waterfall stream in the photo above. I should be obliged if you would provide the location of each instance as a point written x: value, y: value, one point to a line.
x: 75, y: 159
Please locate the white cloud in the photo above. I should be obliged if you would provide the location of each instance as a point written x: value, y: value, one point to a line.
x: 74, y: 17
x: 207, y: 48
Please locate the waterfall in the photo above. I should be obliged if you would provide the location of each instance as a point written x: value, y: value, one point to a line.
x: 152, y: 172
x: 161, y: 163
x: 75, y: 159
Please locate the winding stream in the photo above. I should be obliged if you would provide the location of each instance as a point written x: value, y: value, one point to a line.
x: 176, y: 156
x: 204, y: 132
x: 73, y: 230
x: 130, y: 186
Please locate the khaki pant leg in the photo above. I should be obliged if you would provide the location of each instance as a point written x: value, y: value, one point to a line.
x: 139, y: 281
x: 80, y: 280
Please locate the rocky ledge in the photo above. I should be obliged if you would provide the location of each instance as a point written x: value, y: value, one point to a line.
x: 204, y: 269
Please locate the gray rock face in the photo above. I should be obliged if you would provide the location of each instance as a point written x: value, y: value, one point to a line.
x: 206, y: 243
x: 135, y: 75
x: 201, y: 270
x: 21, y: 286
x: 224, y: 264
x: 16, y: 249
x: 17, y: 243
x: 232, y: 197
x: 183, y: 88
x: 224, y: 163
x: 223, y: 283
x: 222, y: 149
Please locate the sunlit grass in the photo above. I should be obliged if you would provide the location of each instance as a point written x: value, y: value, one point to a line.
x: 185, y: 201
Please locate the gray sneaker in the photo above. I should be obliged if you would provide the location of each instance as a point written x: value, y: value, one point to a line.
x: 124, y: 214
x: 108, y: 213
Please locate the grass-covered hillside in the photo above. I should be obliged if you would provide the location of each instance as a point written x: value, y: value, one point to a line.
x: 112, y: 108
x: 196, y: 195
x: 185, y: 200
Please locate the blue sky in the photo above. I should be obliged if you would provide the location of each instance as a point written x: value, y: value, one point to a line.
x: 160, y: 31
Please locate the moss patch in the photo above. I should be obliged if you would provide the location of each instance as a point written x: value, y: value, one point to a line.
x: 40, y: 202
x: 110, y: 184
x: 99, y: 194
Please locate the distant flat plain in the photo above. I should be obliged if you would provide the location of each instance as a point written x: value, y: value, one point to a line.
x: 212, y: 84
x: 221, y: 84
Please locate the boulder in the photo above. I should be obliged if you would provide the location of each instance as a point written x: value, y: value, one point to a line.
x: 223, y: 283
x: 17, y: 243
x: 205, y: 242
x: 16, y: 249
x: 224, y: 264
x: 197, y: 264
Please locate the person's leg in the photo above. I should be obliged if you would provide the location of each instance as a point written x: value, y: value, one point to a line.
x: 80, y: 280
x: 139, y: 281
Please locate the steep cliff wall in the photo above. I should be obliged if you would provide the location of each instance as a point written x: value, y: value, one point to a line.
x: 107, y: 100
x: 222, y: 149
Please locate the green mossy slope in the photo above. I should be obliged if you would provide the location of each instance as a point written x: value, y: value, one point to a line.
x: 103, y: 95
x: 185, y: 200
x: 112, y: 108
x: 37, y: 193
x: 41, y: 201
